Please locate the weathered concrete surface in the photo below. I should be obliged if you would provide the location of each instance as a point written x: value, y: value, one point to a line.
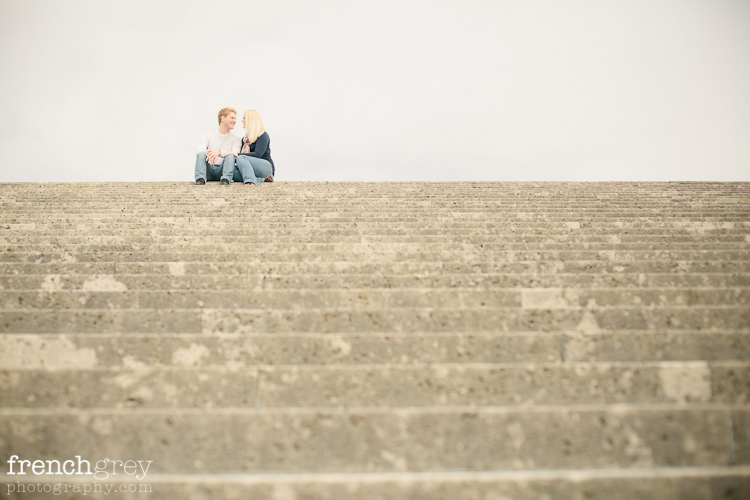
x: 188, y: 384
x: 380, y: 340
x: 702, y: 483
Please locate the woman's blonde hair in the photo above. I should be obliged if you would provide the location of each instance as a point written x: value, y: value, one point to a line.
x: 253, y: 125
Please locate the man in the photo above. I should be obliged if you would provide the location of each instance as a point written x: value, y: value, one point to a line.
x: 218, y: 150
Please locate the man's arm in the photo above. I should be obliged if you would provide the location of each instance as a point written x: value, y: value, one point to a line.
x: 211, y: 154
x: 203, y: 144
x: 237, y: 146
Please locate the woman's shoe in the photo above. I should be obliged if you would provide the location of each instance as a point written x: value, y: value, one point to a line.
x: 269, y: 178
x: 249, y: 184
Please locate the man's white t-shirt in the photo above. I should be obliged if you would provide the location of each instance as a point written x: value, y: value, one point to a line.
x: 224, y: 142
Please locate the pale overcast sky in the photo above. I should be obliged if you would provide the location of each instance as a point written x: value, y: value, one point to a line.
x: 99, y: 90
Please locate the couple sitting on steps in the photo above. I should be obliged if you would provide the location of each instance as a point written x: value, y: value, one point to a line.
x: 223, y: 155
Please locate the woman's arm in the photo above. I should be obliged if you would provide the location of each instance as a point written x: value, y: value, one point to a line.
x: 261, y: 144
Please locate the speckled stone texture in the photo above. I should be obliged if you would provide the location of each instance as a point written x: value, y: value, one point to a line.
x: 321, y: 341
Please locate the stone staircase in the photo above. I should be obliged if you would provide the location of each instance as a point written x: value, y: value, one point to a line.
x: 301, y: 340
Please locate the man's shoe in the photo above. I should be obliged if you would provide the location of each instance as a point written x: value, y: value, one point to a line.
x: 269, y: 178
x: 225, y: 181
x: 201, y: 182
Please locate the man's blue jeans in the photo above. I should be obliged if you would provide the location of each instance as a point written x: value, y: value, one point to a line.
x: 213, y: 172
x: 253, y: 169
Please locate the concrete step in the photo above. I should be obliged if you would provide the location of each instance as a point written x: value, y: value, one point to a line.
x: 623, y: 229
x: 357, y: 245
x: 344, y: 320
x: 241, y: 350
x: 570, y: 222
x: 559, y: 217
x: 388, y: 440
x: 605, y: 269
x: 215, y: 206
x: 107, y: 292
x: 353, y: 252
x: 321, y: 193
x: 21, y: 242
x: 668, y: 193
x: 379, y: 386
x: 425, y: 278
x: 105, y: 234
x: 601, y: 483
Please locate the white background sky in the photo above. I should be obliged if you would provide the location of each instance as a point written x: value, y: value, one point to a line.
x: 99, y: 90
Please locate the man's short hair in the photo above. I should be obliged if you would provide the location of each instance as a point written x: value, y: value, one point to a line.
x: 225, y: 112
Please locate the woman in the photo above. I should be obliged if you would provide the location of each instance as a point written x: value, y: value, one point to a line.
x: 254, y: 160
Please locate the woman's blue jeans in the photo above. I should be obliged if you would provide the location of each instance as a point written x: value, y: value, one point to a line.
x: 253, y: 169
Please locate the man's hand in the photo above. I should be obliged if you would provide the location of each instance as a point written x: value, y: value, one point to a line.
x: 212, y: 154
